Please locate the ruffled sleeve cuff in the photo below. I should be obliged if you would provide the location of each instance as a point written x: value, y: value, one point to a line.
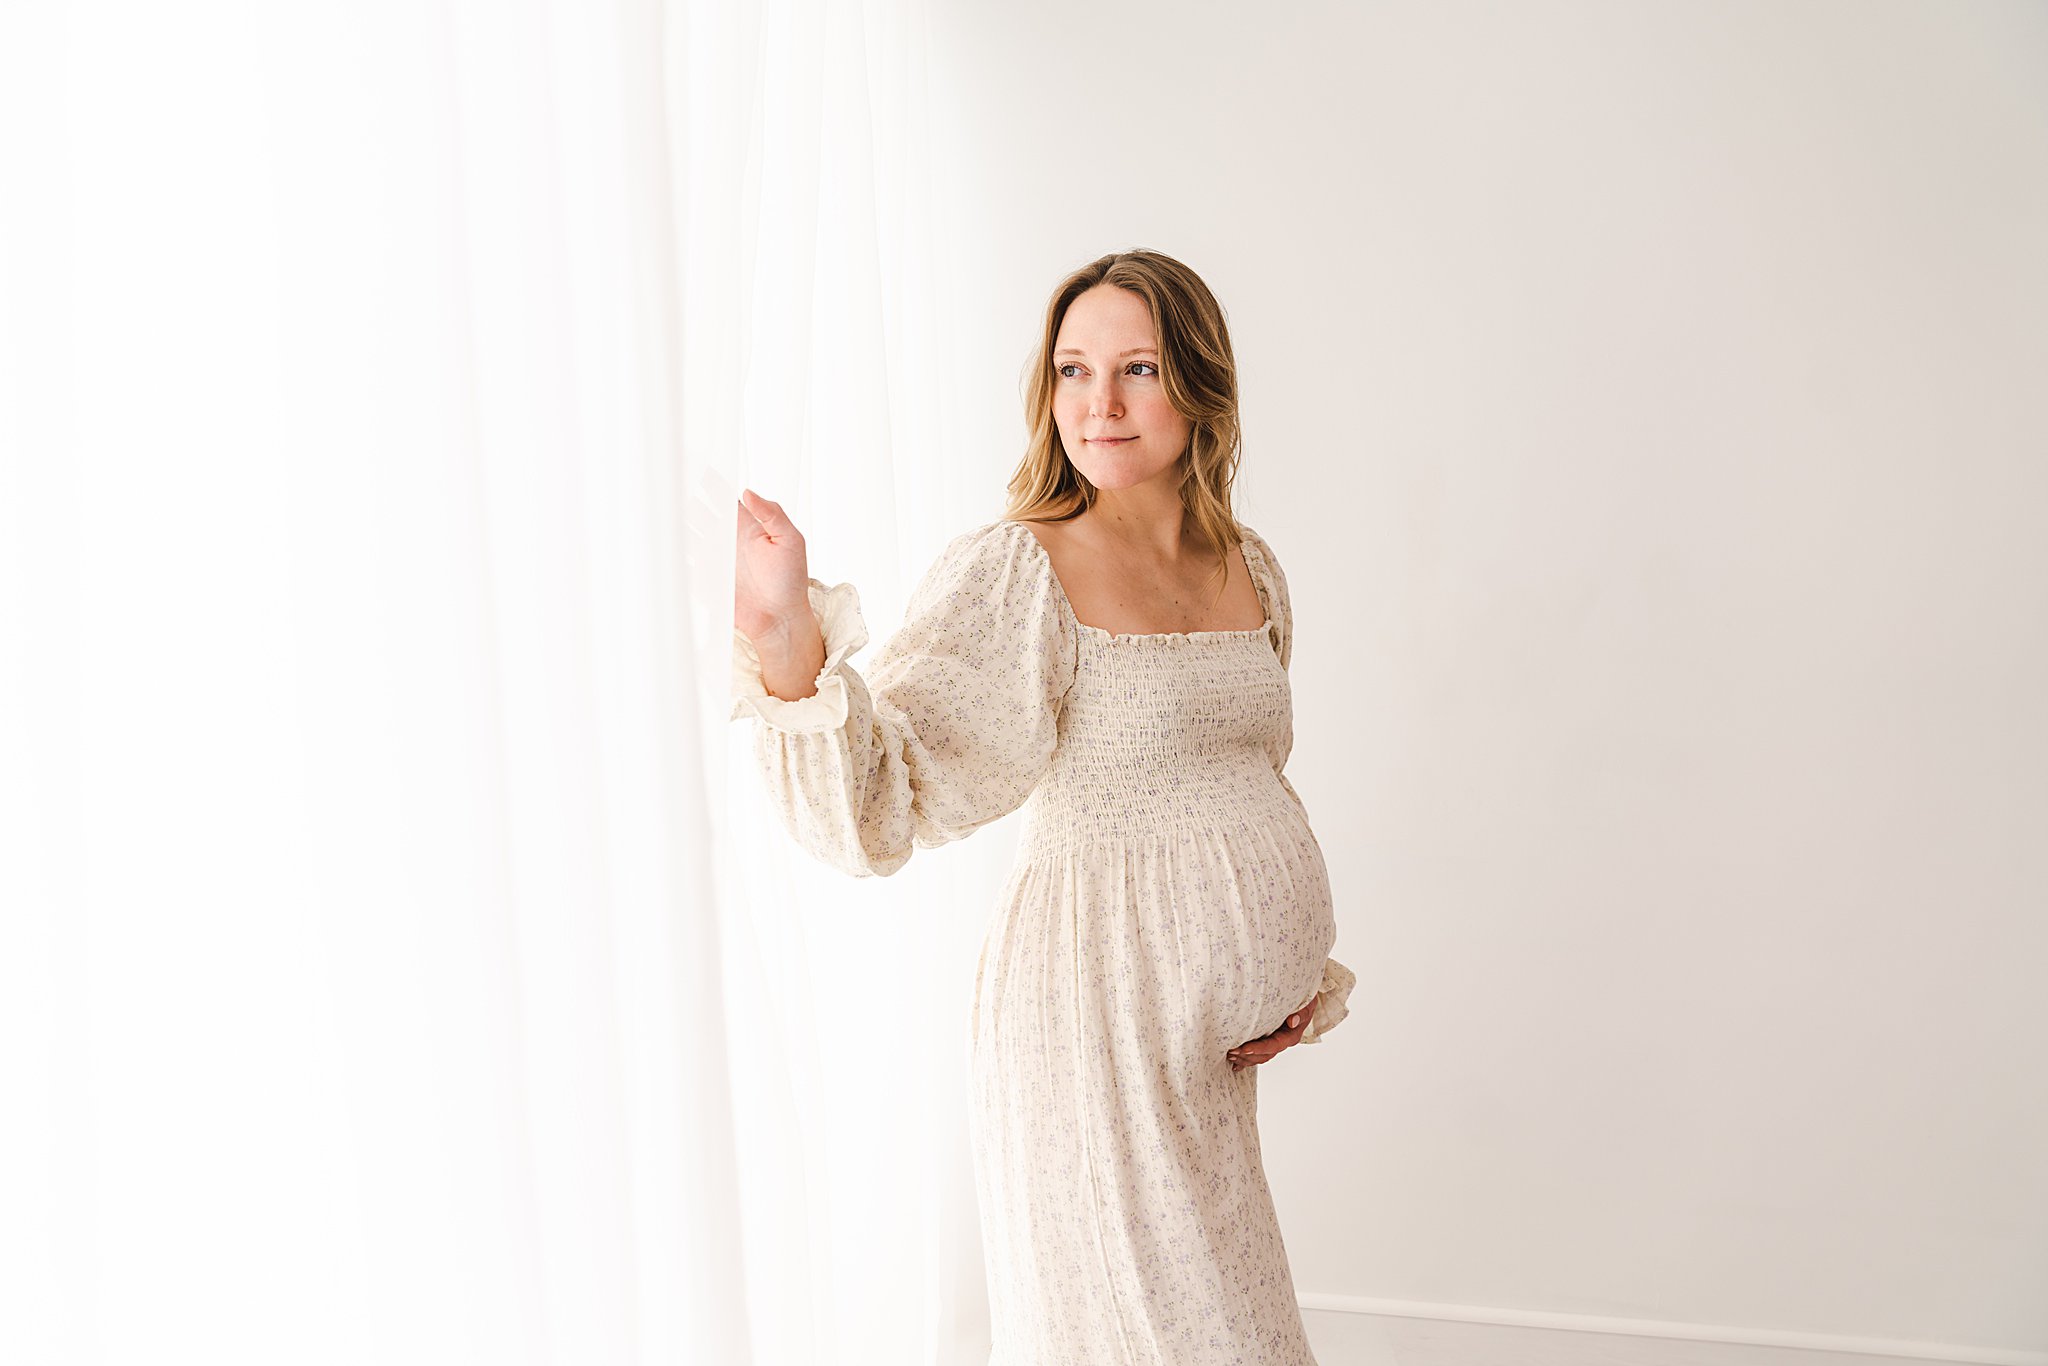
x: 1332, y: 1004
x: 837, y: 609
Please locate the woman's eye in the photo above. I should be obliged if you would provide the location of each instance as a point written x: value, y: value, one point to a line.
x: 1071, y: 366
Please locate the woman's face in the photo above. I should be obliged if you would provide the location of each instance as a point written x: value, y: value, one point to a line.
x: 1106, y: 385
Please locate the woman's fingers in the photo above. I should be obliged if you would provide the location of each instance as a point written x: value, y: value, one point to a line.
x: 771, y: 570
x: 768, y: 515
x: 1267, y: 1046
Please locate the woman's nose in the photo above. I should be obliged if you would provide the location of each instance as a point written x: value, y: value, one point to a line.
x: 1105, y: 401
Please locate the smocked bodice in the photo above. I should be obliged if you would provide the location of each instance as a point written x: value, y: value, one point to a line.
x: 1161, y: 730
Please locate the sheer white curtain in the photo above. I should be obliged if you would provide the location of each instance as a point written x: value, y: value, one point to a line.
x: 815, y: 369
x: 391, y: 967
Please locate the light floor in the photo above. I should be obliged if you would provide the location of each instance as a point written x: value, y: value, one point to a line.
x: 1352, y: 1339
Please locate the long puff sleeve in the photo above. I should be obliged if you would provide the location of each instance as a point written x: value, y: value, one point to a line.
x: 953, y: 726
x: 1333, y: 1003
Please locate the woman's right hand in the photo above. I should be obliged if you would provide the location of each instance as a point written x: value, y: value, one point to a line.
x: 771, y: 574
x: 771, y: 598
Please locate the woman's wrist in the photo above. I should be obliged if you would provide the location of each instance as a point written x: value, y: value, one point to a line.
x: 791, y: 652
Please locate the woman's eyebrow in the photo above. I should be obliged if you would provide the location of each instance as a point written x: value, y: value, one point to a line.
x: 1072, y: 351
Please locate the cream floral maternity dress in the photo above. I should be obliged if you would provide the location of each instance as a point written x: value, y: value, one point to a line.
x: 1168, y: 903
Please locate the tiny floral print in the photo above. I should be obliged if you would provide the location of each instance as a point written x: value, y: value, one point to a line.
x: 1169, y: 904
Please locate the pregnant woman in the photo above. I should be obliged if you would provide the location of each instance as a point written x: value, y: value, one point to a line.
x: 1111, y: 655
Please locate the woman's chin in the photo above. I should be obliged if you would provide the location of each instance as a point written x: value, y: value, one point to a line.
x: 1115, y: 476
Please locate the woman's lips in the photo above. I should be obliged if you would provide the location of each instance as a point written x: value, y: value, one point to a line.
x: 1109, y: 440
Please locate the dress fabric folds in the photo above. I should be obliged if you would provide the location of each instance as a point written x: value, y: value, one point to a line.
x: 1169, y: 901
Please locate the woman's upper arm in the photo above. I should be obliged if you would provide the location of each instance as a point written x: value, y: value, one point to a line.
x: 954, y: 724
x: 974, y: 681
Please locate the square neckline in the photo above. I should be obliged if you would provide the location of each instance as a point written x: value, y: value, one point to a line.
x: 1067, y: 605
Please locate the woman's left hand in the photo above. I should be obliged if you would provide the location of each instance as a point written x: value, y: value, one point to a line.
x: 1264, y: 1049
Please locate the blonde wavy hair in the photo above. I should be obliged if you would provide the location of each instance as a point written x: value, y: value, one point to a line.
x: 1196, y: 368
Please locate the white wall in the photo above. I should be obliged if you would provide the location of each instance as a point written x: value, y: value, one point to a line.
x: 1646, y: 402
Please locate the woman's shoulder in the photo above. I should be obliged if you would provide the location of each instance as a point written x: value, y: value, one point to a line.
x: 1257, y: 542
x: 1001, y: 544
x: 1001, y: 536
x: 1265, y: 570
x: 998, y: 558
x: 992, y: 589
x: 1260, y: 559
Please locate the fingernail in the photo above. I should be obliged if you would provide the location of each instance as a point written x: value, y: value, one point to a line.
x: 1293, y: 1020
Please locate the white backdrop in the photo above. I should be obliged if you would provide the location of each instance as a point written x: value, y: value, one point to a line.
x: 1645, y: 402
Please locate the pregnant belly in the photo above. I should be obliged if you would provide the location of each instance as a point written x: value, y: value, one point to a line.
x: 1173, y: 944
